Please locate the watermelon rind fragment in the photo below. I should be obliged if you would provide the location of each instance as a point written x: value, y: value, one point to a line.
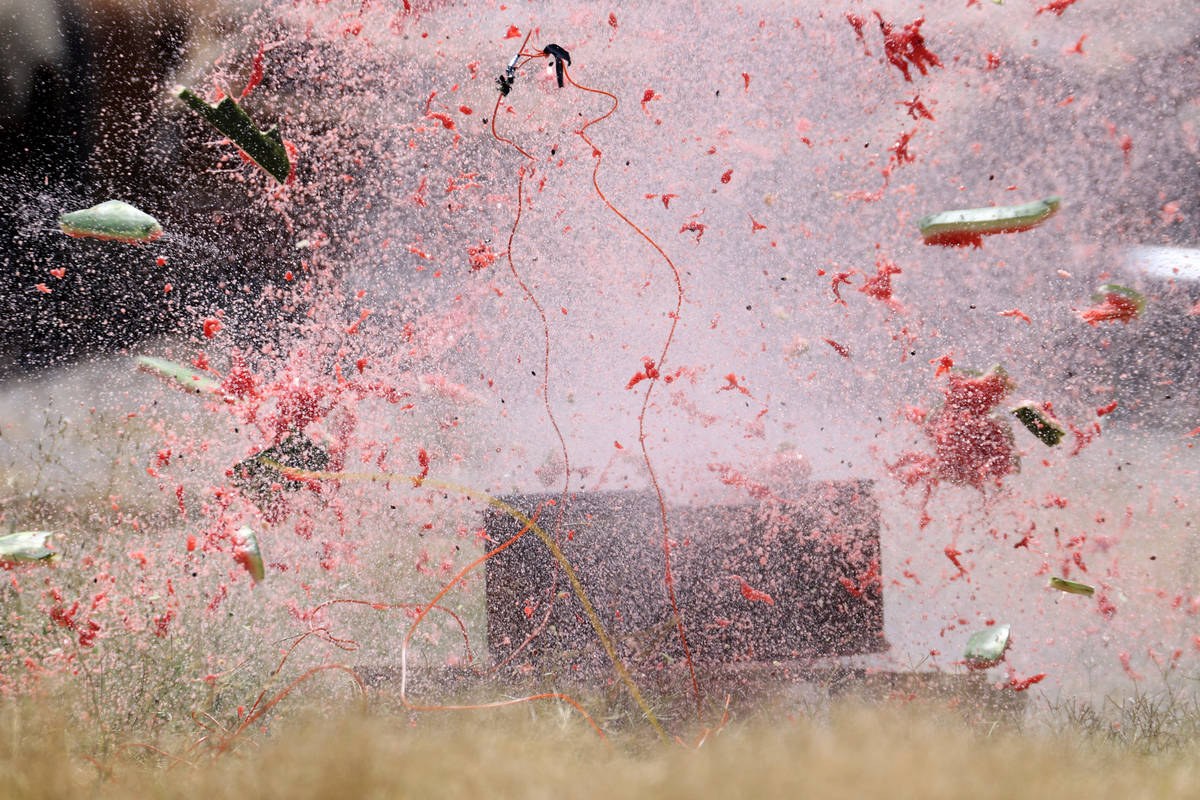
x: 1072, y: 587
x: 1039, y: 424
x: 27, y: 547
x: 1136, y: 297
x: 180, y: 376
x: 113, y: 220
x: 247, y: 554
x: 974, y: 222
x: 986, y: 648
x: 264, y: 148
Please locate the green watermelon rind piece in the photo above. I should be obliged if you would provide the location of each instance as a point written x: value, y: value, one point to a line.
x: 1134, y: 295
x: 1040, y: 425
x: 247, y: 552
x: 27, y: 547
x: 1072, y: 587
x: 989, y: 220
x: 179, y: 375
x: 986, y: 648
x: 264, y: 148
x: 115, y: 220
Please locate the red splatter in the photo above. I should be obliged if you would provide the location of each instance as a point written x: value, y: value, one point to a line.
x: 865, y: 581
x: 945, y: 363
x: 65, y: 617
x: 858, y: 23
x: 1017, y: 313
x: 43, y: 288
x: 916, y: 109
x: 256, y: 72
x: 87, y: 636
x: 727, y: 176
x: 1108, y: 409
x: 1056, y: 7
x: 729, y: 476
x: 733, y: 384
x: 513, y: 32
x: 1077, y: 47
x: 647, y: 97
x: 648, y: 372
x: 191, y: 544
x: 694, y: 227
x: 1021, y: 684
x: 1124, y: 658
x: 466, y: 110
x: 1126, y: 145
x: 835, y: 286
x: 754, y: 595
x: 952, y: 553
x: 879, y: 286
x: 837, y: 348
x: 899, y: 150
x: 666, y: 198
x: 211, y: 326
x: 481, y: 257
x: 756, y: 226
x: 162, y: 624
x: 445, y: 119
x: 977, y: 395
x: 908, y: 45
x: 362, y: 317
x: 1115, y: 308
x: 59, y: 273
x: 612, y: 20
x: 746, y: 78
x: 993, y: 62
x: 240, y: 382
x: 423, y: 461
x: 970, y: 446
x: 1083, y: 438
x: 1105, y: 607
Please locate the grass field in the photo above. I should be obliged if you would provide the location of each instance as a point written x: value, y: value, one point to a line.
x: 849, y: 751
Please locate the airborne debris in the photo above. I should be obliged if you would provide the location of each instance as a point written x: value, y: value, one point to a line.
x: 1071, y: 587
x: 971, y: 447
x: 112, y: 220
x: 1114, y: 303
x: 264, y: 148
x: 907, y: 44
x: 27, y: 547
x: 968, y: 226
x: 246, y: 553
x: 559, y: 55
x: 986, y: 648
x: 1038, y: 422
x: 181, y: 376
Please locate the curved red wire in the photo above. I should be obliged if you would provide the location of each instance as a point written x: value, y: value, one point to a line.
x: 545, y: 358
x: 662, y: 359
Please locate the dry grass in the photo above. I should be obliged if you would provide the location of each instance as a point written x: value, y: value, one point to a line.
x: 854, y: 752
